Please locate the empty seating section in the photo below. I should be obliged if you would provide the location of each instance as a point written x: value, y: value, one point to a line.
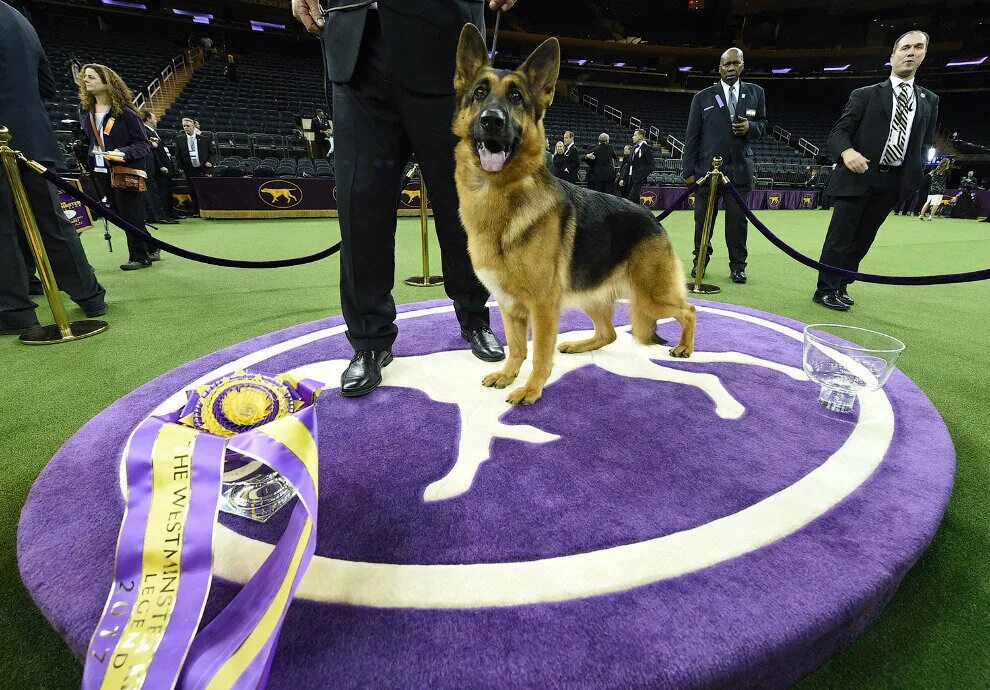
x: 271, y: 93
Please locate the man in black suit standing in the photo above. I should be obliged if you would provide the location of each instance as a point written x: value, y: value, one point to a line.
x: 158, y: 200
x: 724, y: 118
x: 392, y: 68
x: 323, y: 129
x: 195, y: 156
x: 572, y: 158
x: 881, y: 139
x: 602, y: 162
x: 26, y: 78
x: 640, y: 164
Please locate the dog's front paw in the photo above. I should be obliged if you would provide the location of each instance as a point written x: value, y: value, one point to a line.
x: 681, y: 351
x: 524, y: 395
x: 499, y: 379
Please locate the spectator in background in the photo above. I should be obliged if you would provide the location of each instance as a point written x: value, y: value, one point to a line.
x: 206, y: 43
x: 549, y: 155
x: 936, y: 190
x: 559, y: 161
x: 231, y: 69
x: 323, y: 129
x: 640, y: 164
x: 809, y: 182
x: 117, y: 137
x: 572, y: 159
x: 724, y: 118
x: 965, y: 206
x: 160, y: 168
x: 602, y: 177
x: 622, y: 178
x: 26, y: 78
x: 195, y: 157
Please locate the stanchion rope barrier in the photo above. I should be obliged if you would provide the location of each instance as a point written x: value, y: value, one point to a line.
x: 942, y: 279
x: 112, y: 216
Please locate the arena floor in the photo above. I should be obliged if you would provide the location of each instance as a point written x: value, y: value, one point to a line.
x: 933, y: 634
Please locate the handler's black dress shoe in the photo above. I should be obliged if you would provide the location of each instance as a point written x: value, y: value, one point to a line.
x: 739, y: 276
x: 846, y: 299
x: 12, y: 329
x: 831, y: 301
x: 364, y: 373
x: 484, y: 345
x: 134, y: 265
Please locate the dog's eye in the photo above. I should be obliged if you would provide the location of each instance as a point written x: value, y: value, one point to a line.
x: 515, y: 95
x: 480, y: 92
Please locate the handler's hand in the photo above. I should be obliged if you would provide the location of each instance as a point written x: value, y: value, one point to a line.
x: 740, y: 128
x: 855, y: 161
x: 309, y: 13
x: 207, y: 164
x: 689, y: 179
x: 504, y: 5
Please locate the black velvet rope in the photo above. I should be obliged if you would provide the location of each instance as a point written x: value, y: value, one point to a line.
x: 127, y: 227
x: 942, y: 279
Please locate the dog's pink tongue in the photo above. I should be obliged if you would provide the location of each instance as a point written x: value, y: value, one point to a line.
x: 490, y: 161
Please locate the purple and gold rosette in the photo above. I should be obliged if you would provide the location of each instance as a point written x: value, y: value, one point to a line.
x: 147, y: 635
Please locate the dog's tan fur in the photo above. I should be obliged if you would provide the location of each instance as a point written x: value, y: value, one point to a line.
x: 513, y: 222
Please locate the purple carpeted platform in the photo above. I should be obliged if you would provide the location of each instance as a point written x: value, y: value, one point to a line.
x: 649, y: 523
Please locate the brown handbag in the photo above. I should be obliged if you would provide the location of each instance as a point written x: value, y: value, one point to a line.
x: 122, y: 177
x: 128, y: 179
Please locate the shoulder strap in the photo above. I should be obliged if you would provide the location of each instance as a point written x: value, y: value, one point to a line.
x: 96, y: 130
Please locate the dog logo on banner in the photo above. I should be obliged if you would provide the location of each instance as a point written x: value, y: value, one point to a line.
x: 280, y: 194
x: 410, y: 195
x: 691, y: 200
x: 807, y: 201
x: 773, y: 201
x: 649, y: 199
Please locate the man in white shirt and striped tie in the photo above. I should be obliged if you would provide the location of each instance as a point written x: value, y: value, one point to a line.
x: 881, y: 139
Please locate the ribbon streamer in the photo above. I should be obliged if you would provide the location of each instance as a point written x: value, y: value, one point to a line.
x: 146, y: 636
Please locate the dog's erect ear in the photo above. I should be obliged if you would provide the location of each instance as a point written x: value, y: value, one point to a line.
x: 541, y: 69
x: 472, y: 55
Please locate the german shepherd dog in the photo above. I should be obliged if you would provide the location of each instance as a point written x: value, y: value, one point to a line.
x: 540, y: 244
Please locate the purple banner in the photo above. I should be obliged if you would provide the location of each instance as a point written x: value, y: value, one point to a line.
x: 659, y: 198
x: 299, y: 197
x: 75, y: 211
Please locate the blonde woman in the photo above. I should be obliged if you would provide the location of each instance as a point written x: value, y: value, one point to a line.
x: 559, y: 161
x: 940, y: 176
x: 117, y: 138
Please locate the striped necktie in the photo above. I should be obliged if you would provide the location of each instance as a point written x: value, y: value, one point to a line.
x: 896, y: 145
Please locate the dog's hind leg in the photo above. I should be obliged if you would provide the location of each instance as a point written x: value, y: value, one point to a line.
x: 546, y: 321
x: 646, y: 309
x: 515, y: 335
x: 601, y: 315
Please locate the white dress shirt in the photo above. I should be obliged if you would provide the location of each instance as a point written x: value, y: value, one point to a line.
x: 193, y: 150
x: 912, y: 109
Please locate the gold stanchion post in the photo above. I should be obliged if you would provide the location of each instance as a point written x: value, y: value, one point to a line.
x: 715, y: 177
x: 62, y: 330
x: 425, y: 280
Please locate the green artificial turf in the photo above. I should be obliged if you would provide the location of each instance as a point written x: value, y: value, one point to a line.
x: 936, y: 631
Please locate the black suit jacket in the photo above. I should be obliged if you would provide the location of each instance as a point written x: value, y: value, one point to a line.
x: 127, y: 134
x: 203, y: 145
x: 25, y: 79
x: 160, y: 157
x: 641, y: 162
x: 709, y: 132
x: 603, y: 166
x: 420, y: 39
x: 572, y: 163
x: 865, y: 125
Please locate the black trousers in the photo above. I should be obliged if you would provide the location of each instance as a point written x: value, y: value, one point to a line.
x: 736, y: 226
x: 130, y: 206
x: 152, y: 204
x: 72, y: 271
x: 165, y: 201
x: 190, y: 173
x: 605, y: 186
x: 377, y: 124
x: 634, y: 190
x: 854, y: 225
